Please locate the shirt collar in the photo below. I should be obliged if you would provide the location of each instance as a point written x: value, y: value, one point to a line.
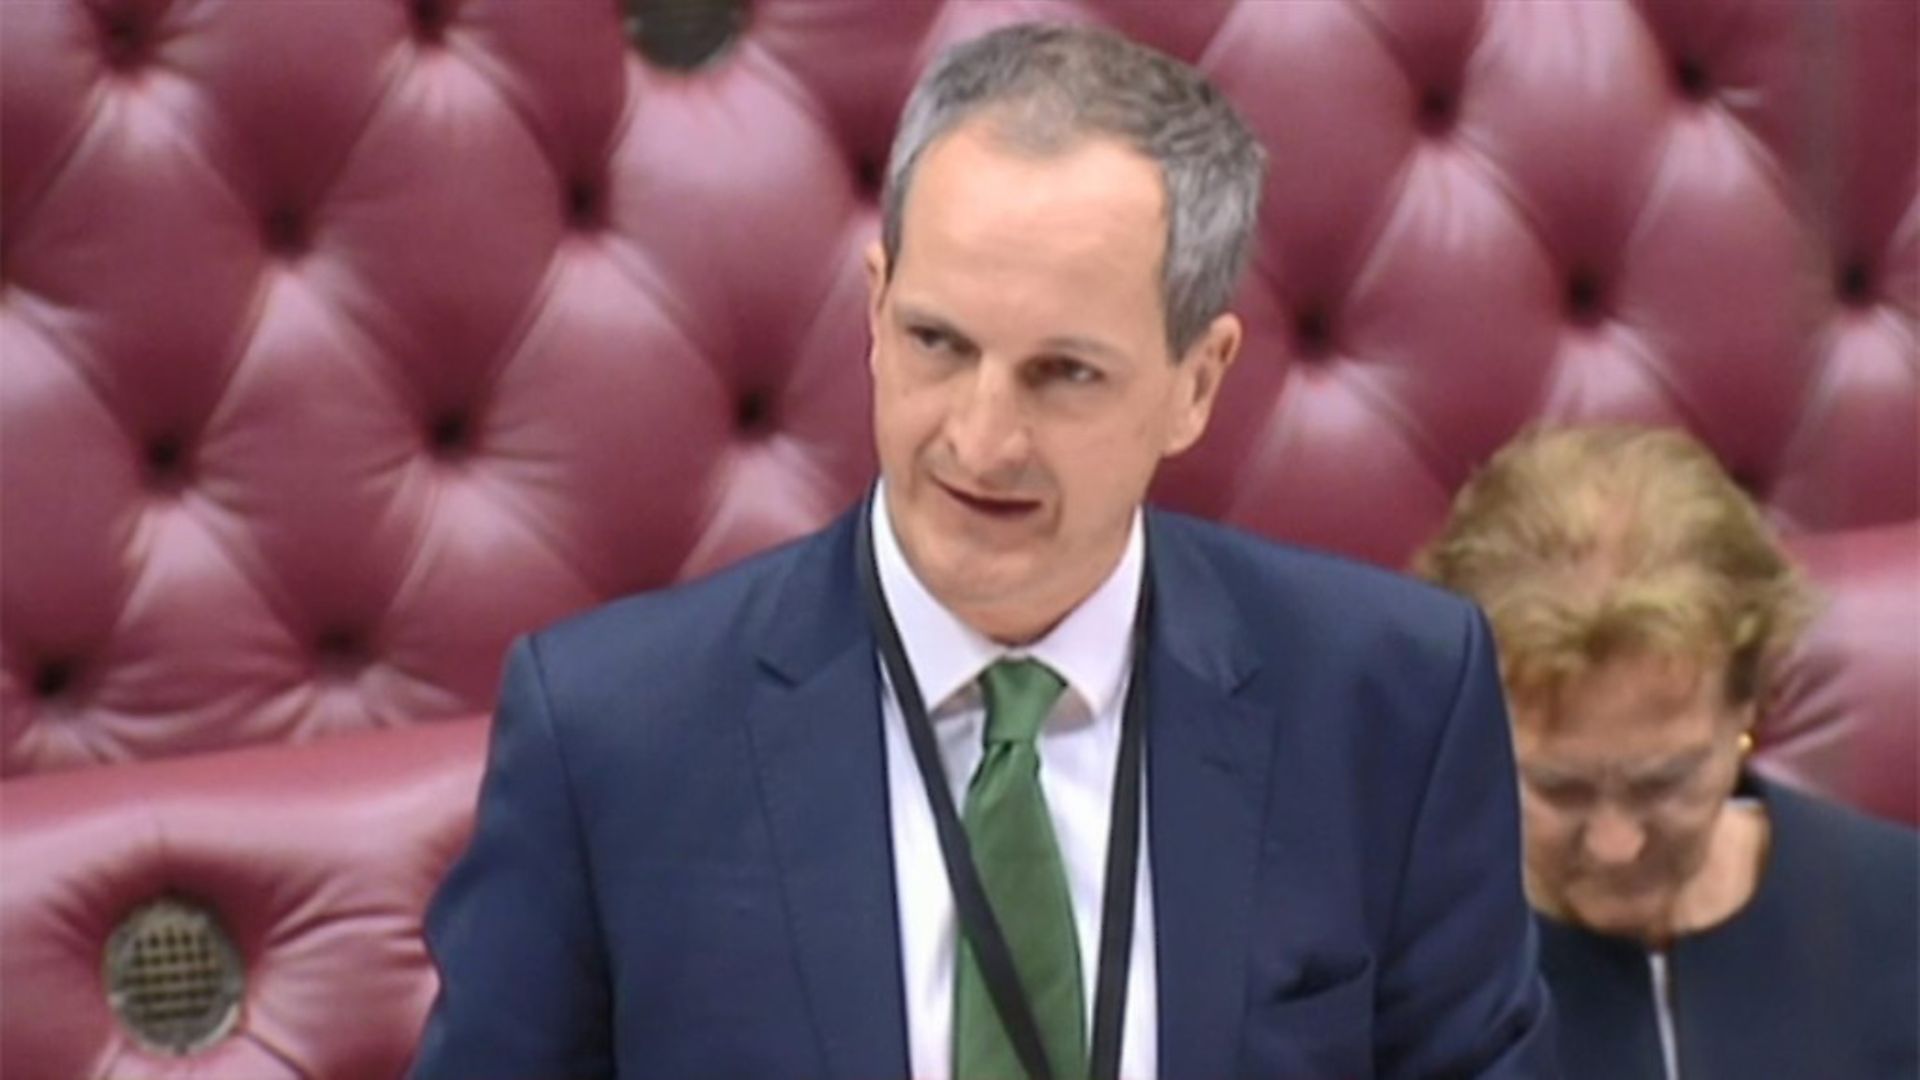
x: 1090, y: 648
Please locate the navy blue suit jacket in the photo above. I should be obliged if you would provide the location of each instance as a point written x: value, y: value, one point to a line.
x: 682, y: 865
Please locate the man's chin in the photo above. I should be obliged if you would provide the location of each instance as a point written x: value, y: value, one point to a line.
x: 961, y: 580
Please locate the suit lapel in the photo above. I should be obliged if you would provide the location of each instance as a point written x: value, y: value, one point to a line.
x: 820, y: 755
x: 819, y: 750
x: 1207, y: 772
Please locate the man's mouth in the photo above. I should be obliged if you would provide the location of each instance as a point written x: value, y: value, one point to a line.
x: 994, y: 506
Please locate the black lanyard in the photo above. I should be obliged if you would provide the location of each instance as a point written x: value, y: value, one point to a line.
x: 977, y: 922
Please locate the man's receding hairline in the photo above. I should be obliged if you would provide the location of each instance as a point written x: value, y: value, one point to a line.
x: 982, y: 124
x: 1048, y: 82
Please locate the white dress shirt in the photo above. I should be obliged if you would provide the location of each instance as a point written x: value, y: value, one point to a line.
x: 1079, y: 745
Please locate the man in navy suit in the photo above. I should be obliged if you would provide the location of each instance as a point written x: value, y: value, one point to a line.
x: 1002, y: 774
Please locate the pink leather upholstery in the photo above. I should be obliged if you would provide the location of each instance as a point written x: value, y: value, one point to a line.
x: 317, y: 863
x: 345, y: 341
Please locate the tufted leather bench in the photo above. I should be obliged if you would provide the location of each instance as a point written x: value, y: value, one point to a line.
x: 344, y: 341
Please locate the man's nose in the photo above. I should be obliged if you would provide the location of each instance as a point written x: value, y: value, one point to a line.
x: 987, y: 427
x: 1613, y: 838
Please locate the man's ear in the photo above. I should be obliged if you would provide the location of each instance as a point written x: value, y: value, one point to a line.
x: 875, y: 260
x: 1203, y: 367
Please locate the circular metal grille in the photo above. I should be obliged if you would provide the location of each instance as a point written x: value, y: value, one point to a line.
x: 684, y: 34
x: 173, y: 977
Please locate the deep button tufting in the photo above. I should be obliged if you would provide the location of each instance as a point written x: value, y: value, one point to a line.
x: 430, y: 18
x: 684, y: 34
x: 1312, y: 334
x: 53, y: 678
x: 1691, y: 78
x: 123, y: 38
x: 753, y: 415
x: 450, y: 435
x: 286, y: 232
x: 1855, y: 283
x: 1586, y: 301
x: 585, y: 207
x: 166, y: 460
x: 558, y: 123
x: 870, y: 174
x: 164, y: 454
x: 1435, y: 115
x: 340, y: 651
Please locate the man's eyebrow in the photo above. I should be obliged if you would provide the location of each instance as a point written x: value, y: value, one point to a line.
x: 909, y: 312
x: 912, y: 313
x: 1075, y: 343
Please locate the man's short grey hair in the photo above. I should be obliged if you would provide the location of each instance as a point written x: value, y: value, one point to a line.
x: 1044, y: 86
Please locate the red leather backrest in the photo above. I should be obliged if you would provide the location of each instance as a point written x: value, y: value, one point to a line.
x: 344, y: 341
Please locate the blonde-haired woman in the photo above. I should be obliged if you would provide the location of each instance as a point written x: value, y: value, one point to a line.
x: 1696, y: 920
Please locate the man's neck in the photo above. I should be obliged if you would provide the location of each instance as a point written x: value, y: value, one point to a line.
x: 1014, y: 626
x: 1086, y: 636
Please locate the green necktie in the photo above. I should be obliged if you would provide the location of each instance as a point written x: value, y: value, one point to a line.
x: 1011, y: 835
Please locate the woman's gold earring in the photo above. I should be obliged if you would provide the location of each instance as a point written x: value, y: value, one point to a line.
x: 1746, y: 742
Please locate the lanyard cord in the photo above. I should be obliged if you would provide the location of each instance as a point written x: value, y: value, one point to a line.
x: 977, y: 921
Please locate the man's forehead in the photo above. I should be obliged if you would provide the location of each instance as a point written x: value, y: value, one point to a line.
x: 971, y: 175
x: 1000, y: 242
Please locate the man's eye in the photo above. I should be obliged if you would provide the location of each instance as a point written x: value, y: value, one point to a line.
x: 1066, y: 369
x: 931, y: 339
